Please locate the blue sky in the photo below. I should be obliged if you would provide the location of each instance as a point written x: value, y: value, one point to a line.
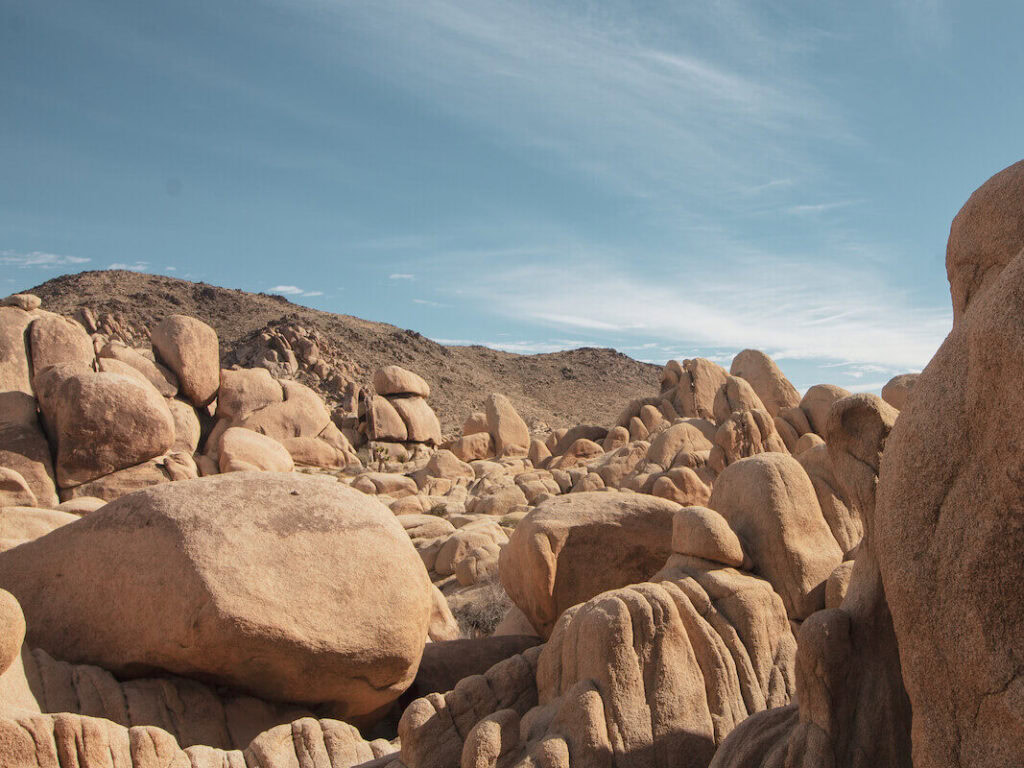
x: 670, y: 179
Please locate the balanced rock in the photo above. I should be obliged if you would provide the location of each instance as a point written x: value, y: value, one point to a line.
x: 770, y: 384
x: 394, y: 380
x: 506, y: 426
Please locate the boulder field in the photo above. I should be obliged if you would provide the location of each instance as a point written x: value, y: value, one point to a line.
x: 209, y: 566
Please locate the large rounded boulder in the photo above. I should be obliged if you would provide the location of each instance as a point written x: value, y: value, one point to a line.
x: 576, y: 546
x: 289, y: 587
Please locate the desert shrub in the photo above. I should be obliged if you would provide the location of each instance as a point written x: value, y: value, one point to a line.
x: 481, y: 616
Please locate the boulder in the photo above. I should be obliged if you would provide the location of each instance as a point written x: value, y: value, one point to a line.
x: 702, y: 532
x: 681, y: 438
x: 393, y: 380
x: 189, y: 347
x: 896, y: 391
x: 25, y: 301
x: 816, y: 403
x: 15, y: 490
x: 736, y: 395
x: 699, y: 382
x: 950, y: 514
x: 315, y: 452
x: 202, y: 580
x: 21, y: 524
x: 771, y: 386
x: 475, y: 423
x: 301, y: 414
x: 56, y: 340
x: 244, y: 391
x: 744, y: 434
x: 24, y: 450
x: 103, y: 422
x: 510, y: 433
x: 187, y: 428
x: 17, y: 401
x: 168, y: 468
x: 479, y: 445
x: 242, y: 450
x: 383, y: 422
x: 590, y: 432
x: 548, y: 564
x: 159, y: 376
x: 770, y: 503
x: 421, y: 423
x: 683, y: 486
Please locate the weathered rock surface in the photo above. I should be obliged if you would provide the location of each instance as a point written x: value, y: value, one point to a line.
x: 200, y: 579
x: 189, y: 347
x: 549, y: 564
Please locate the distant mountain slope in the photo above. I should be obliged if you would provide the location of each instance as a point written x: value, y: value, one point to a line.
x: 560, y: 389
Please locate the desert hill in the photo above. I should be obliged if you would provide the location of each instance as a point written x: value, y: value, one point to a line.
x: 585, y: 385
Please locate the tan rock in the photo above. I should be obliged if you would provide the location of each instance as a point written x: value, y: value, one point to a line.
x: 702, y: 532
x: 735, y: 395
x: 314, y: 452
x: 83, y: 505
x: 393, y: 380
x: 168, y: 468
x: 56, y: 340
x: 817, y: 401
x: 421, y: 423
x: 744, y: 434
x: 479, y: 445
x: 349, y: 631
x: 189, y: 347
x: 538, y: 452
x: 384, y: 422
x: 15, y: 490
x: 770, y: 503
x: 548, y: 564
x: 771, y: 386
x: 700, y: 381
x: 302, y: 414
x: 21, y: 524
x: 806, y: 442
x: 187, y: 429
x: 158, y: 375
x: 842, y: 517
x: 17, y: 401
x: 949, y: 514
x: 897, y: 390
x: 616, y: 438
x: 242, y: 450
x: 475, y: 423
x: 244, y: 391
x: 103, y: 422
x: 679, y: 438
x: 25, y: 301
x: 510, y: 433
x: 683, y: 486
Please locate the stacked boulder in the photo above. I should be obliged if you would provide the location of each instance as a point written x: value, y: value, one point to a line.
x: 397, y: 417
x: 90, y: 417
x: 496, y: 432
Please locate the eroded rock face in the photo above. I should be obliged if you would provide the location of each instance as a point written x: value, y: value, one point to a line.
x: 573, y: 547
x: 770, y: 503
x: 289, y: 587
x: 770, y: 384
x: 951, y: 502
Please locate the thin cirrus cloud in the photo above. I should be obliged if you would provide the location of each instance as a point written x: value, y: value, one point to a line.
x: 294, y: 290
x: 401, y: 276
x: 137, y: 266
x: 39, y: 259
x: 790, y: 309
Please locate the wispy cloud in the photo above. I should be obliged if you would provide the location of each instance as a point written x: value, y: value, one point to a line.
x: 294, y: 290
x: 791, y: 308
x: 39, y: 259
x: 171, y: 269
x: 138, y: 266
x: 401, y: 276
x: 802, y: 210
x: 517, y: 347
x: 428, y: 303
